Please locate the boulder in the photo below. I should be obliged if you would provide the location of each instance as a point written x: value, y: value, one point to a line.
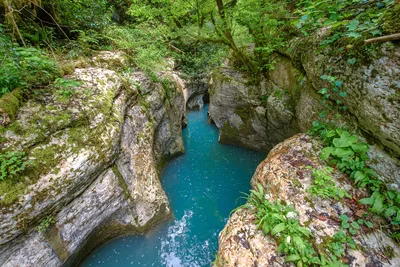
x: 285, y: 175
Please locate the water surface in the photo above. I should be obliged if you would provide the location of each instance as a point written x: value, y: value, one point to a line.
x: 203, y: 186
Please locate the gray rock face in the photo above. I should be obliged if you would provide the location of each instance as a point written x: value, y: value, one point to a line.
x: 257, y: 116
x: 196, y: 102
x: 287, y: 102
x: 372, y: 88
x: 236, y: 107
x: 285, y: 175
x: 196, y: 90
x: 97, y: 177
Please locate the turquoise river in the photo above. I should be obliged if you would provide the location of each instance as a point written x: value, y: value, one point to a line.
x: 204, y: 185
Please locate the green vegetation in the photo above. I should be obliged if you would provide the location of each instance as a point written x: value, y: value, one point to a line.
x: 198, y: 34
x: 338, y: 245
x: 354, y: 226
x: 346, y: 19
x: 335, y: 90
x: 349, y: 155
x: 23, y: 67
x: 65, y: 87
x: 295, y: 241
x: 11, y: 164
x: 324, y: 186
x: 45, y: 224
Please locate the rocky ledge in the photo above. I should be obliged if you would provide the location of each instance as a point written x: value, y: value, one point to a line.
x: 95, y: 155
x: 287, y: 179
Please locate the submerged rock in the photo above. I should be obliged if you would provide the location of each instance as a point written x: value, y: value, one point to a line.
x: 95, y: 166
x: 287, y: 180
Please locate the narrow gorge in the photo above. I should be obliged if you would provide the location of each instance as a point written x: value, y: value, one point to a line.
x: 193, y: 133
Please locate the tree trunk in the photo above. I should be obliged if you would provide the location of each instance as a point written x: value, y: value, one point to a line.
x: 231, y: 42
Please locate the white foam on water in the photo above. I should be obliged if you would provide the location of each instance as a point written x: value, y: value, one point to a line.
x: 178, y: 249
x: 171, y: 243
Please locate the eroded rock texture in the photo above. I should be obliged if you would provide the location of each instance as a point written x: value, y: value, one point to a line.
x: 95, y: 165
x: 260, y: 115
x: 287, y: 179
x: 197, y: 90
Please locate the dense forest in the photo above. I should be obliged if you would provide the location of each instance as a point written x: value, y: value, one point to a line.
x: 42, y: 42
x: 39, y: 37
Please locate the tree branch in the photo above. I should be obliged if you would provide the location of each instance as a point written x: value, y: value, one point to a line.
x: 383, y: 39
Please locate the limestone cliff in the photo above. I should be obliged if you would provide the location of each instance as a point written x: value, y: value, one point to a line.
x: 197, y: 89
x: 260, y: 115
x: 94, y: 171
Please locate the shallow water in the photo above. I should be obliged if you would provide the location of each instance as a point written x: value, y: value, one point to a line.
x: 203, y: 186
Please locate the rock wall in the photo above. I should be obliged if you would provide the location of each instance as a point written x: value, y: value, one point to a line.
x: 95, y: 165
x: 236, y: 107
x: 197, y: 90
x: 260, y: 115
x: 372, y: 85
x: 287, y: 180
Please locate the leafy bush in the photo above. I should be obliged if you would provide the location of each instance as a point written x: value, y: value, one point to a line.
x: 346, y: 152
x: 23, y: 67
x: 349, y: 156
x: 11, y: 164
x: 324, y: 186
x: 281, y: 221
x: 84, y: 14
x: 199, y: 58
x: 347, y: 19
x: 145, y: 43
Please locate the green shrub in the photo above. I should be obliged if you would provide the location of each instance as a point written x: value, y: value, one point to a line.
x: 83, y: 14
x: 12, y: 163
x: 324, y: 186
x: 199, y: 58
x: 346, y: 19
x: 349, y: 155
x: 145, y: 43
x: 282, y: 222
x: 23, y: 67
x: 45, y: 224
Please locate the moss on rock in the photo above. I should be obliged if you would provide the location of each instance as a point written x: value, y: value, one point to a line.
x: 9, y: 105
x: 391, y: 20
